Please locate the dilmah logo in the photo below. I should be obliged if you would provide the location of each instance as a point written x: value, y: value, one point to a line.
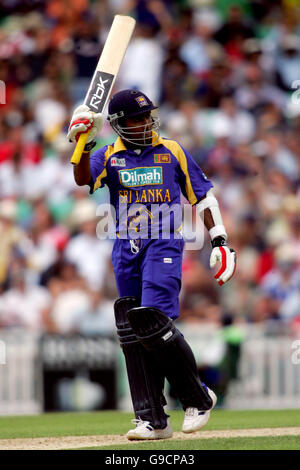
x: 141, y: 176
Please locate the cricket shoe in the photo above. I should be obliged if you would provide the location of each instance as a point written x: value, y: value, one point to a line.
x: 144, y: 430
x: 195, y: 419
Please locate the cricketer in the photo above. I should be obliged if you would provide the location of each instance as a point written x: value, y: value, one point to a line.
x: 143, y: 170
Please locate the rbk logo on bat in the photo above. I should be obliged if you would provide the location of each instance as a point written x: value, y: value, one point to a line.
x: 99, y: 90
x: 162, y: 158
x: 141, y: 176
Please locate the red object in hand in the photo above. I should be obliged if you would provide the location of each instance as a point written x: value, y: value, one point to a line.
x: 84, y: 121
x: 228, y: 263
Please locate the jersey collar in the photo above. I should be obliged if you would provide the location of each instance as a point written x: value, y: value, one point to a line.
x: 119, y: 145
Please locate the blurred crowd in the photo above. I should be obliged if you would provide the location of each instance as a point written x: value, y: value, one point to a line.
x: 226, y: 75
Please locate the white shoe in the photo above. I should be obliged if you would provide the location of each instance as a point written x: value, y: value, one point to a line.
x: 144, y: 430
x: 195, y: 419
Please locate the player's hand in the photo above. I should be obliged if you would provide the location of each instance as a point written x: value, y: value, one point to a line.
x: 84, y: 120
x: 226, y: 257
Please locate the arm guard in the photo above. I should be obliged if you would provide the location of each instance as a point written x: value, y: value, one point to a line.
x: 211, y: 203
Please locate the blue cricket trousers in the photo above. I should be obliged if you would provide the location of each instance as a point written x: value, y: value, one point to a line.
x: 153, y: 274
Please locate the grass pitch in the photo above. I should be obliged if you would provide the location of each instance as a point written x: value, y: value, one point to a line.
x: 118, y: 423
x: 241, y: 443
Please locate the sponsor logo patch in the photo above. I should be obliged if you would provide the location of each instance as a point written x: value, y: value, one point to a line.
x: 162, y: 158
x: 168, y: 260
x: 99, y: 90
x: 117, y: 161
x: 142, y: 101
x: 141, y: 176
x: 167, y: 335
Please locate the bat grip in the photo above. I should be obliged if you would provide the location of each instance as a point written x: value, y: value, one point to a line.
x: 76, y: 157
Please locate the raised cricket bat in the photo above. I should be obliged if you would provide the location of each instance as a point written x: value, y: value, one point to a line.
x: 106, y: 71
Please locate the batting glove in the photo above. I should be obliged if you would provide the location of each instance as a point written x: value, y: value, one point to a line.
x: 84, y: 120
x: 226, y: 256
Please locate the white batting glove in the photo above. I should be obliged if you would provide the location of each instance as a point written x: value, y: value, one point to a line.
x: 84, y: 120
x: 227, y: 258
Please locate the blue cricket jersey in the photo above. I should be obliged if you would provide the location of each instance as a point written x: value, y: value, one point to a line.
x: 147, y: 180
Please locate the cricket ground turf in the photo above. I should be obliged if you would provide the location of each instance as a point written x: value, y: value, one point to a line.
x: 226, y: 430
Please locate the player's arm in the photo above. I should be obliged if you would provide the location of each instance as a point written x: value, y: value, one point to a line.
x: 84, y: 120
x: 82, y: 171
x: 209, y: 211
x: 197, y: 188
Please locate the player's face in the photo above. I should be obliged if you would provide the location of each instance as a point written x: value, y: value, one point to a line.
x: 140, y: 128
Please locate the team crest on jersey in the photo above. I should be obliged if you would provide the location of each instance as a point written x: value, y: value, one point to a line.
x: 142, y: 101
x: 162, y: 158
x: 141, y: 176
x: 117, y: 161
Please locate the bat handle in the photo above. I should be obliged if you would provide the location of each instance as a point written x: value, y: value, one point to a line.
x: 76, y: 157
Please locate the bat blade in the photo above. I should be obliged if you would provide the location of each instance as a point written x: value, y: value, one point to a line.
x: 106, y: 71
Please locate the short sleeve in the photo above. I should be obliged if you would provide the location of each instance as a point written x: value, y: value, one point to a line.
x: 193, y: 182
x: 98, y: 169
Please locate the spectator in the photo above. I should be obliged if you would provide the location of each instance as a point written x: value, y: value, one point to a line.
x: 98, y: 319
x: 70, y: 297
x: 254, y: 93
x: 89, y: 254
x: 22, y: 304
x: 232, y: 33
x: 142, y: 65
x: 177, y: 82
x: 280, y: 157
x: 199, y: 47
x: 46, y: 237
x: 217, y: 83
x: 13, y: 238
x: 281, y: 286
x: 287, y: 62
x: 240, y: 122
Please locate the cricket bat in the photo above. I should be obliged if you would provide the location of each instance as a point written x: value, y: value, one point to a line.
x: 106, y: 72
